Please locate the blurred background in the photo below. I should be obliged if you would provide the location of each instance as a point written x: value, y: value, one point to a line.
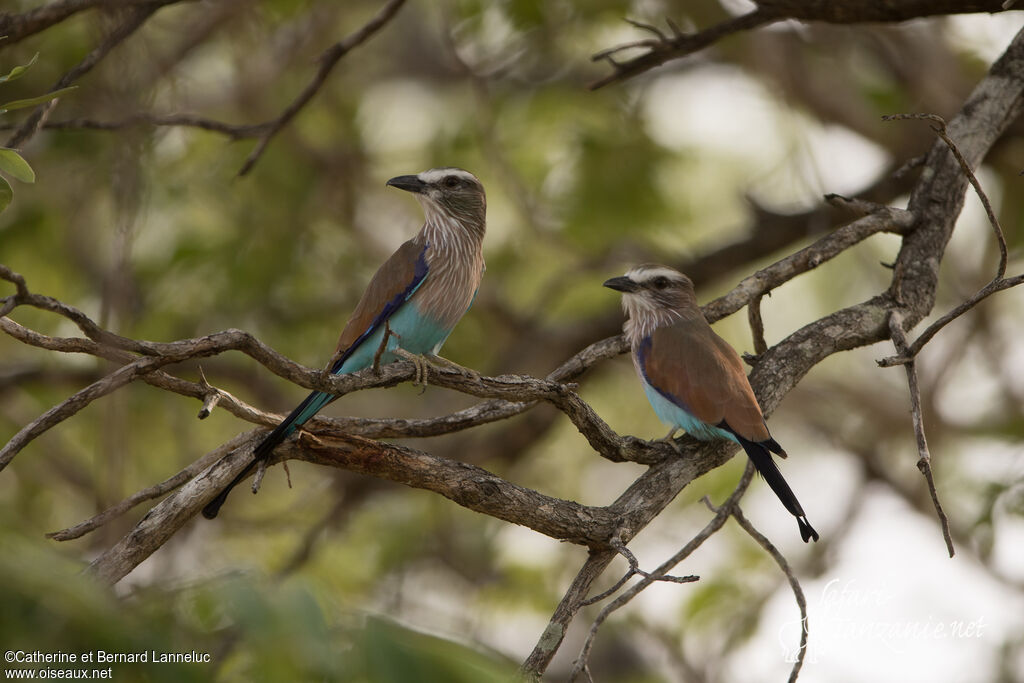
x: 715, y: 164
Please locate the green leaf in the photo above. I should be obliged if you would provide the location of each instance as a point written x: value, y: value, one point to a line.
x: 15, y: 165
x: 6, y: 194
x: 19, y: 71
x: 32, y: 101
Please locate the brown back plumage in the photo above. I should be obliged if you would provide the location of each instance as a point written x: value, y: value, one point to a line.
x: 689, y: 361
x: 392, y: 279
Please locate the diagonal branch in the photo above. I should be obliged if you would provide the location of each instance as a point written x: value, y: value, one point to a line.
x: 139, y: 11
x: 17, y: 27
x: 663, y: 49
x: 135, y: 17
x: 716, y: 523
x: 328, y: 60
x: 77, y: 402
x: 998, y: 283
x: 115, y: 511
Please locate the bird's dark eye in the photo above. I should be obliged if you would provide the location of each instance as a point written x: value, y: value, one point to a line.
x: 660, y: 282
x: 451, y: 181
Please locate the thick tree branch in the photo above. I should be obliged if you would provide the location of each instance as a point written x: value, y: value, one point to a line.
x: 661, y: 48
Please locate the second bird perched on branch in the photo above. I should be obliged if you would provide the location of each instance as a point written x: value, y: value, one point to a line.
x: 693, y: 379
x: 416, y: 297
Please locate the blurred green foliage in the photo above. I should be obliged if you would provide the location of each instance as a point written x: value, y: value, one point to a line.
x: 242, y: 627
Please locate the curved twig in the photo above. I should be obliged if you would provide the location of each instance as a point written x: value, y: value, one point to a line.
x: 794, y: 584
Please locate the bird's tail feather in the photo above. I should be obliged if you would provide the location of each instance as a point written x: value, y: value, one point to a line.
x: 302, y: 413
x: 765, y: 464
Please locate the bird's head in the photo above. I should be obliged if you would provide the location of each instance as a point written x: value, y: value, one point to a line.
x: 654, y: 290
x: 447, y: 194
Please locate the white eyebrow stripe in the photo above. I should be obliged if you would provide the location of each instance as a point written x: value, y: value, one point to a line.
x: 644, y: 274
x: 436, y: 174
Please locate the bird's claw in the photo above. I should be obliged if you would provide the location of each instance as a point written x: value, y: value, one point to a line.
x: 423, y: 361
x: 670, y: 440
x: 420, y: 363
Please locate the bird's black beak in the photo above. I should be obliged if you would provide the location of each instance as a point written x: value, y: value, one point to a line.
x: 622, y: 284
x: 409, y: 183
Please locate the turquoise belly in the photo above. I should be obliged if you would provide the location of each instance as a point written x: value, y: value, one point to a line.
x: 412, y: 331
x: 674, y: 416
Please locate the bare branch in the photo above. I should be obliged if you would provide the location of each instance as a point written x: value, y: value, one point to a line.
x: 75, y: 403
x: 16, y: 27
x: 233, y: 131
x: 551, y: 639
x: 756, y: 325
x: 150, y: 493
x: 662, y: 49
x: 884, y: 219
x: 713, y: 526
x: 328, y: 60
x: 924, y: 457
x: 665, y: 49
x: 913, y: 349
x: 940, y: 130
x: 998, y: 283
x: 794, y: 584
x: 135, y: 17
x: 469, y: 486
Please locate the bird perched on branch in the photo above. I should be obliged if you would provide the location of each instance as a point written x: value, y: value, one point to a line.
x: 416, y: 297
x: 693, y: 379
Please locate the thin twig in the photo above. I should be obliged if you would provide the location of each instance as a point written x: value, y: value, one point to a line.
x: 912, y: 350
x: 663, y: 49
x: 794, y: 584
x: 213, y: 396
x: 940, y: 130
x: 231, y: 130
x: 757, y: 325
x: 265, y: 131
x: 135, y: 17
x: 328, y: 60
x: 634, y: 570
x: 998, y: 283
x: 713, y: 526
x: 924, y: 457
